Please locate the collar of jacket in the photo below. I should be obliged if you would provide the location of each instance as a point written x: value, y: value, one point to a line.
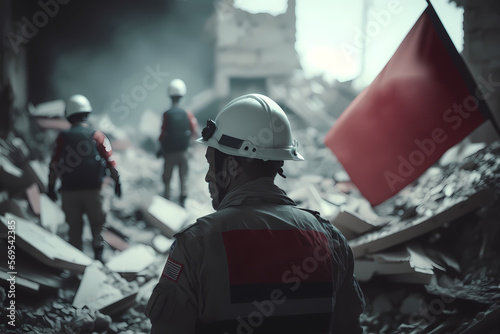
x: 261, y: 190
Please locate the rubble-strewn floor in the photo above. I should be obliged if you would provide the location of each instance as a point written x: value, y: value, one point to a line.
x: 464, y: 297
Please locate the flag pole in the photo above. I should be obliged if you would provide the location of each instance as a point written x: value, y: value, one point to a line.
x: 462, y: 67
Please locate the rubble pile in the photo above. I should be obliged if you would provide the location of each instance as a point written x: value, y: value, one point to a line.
x: 60, y: 289
x: 427, y: 258
x: 451, y: 215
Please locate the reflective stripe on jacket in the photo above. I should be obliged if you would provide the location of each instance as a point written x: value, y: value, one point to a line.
x: 258, y: 265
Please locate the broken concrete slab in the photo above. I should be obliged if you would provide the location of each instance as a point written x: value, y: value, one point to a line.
x: 308, y: 197
x: 46, y: 246
x: 132, y: 260
x: 409, y: 264
x: 32, y: 278
x: 161, y: 243
x: 51, y: 216
x: 18, y: 207
x: 101, y: 289
x: 10, y: 174
x: 352, y: 223
x: 53, y: 108
x: 55, y: 123
x: 37, y: 171
x: 33, y: 196
x: 88, y: 321
x: 166, y: 215
x: 22, y: 283
x: 114, y: 240
x: 399, y: 232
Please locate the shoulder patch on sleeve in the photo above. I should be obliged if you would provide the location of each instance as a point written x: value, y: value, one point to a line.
x: 172, y: 270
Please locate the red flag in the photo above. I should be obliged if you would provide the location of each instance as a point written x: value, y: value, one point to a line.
x: 423, y: 102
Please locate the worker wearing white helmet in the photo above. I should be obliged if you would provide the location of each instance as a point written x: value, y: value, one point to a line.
x: 80, y: 159
x: 179, y: 127
x: 259, y: 264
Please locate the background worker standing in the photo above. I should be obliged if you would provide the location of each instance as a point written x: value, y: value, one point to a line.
x: 259, y: 264
x: 80, y: 159
x: 178, y: 128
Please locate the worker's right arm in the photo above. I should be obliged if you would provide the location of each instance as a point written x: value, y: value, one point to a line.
x: 173, y: 306
x: 349, y: 304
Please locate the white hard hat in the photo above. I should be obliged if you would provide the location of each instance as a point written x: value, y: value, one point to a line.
x: 177, y: 87
x: 77, y: 104
x: 252, y: 126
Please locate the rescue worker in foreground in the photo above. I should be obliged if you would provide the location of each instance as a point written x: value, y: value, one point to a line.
x: 177, y: 129
x: 259, y: 264
x: 80, y: 159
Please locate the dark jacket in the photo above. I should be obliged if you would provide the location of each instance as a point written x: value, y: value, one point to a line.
x: 258, y: 265
x: 80, y: 158
x: 177, y: 129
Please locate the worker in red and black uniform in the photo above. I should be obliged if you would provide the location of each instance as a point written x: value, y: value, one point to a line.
x: 81, y: 158
x: 259, y: 264
x: 178, y: 128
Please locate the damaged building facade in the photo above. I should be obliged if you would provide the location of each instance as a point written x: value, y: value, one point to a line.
x: 427, y: 259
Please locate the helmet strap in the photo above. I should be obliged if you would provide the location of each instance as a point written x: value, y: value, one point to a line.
x: 280, y: 171
x: 222, y: 177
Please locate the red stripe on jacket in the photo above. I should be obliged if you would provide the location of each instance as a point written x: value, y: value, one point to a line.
x: 271, y: 256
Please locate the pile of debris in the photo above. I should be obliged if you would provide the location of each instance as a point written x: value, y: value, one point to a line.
x: 426, y: 259
x: 428, y: 262
x: 60, y: 289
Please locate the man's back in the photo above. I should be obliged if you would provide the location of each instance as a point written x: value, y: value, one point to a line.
x: 260, y: 265
x: 80, y: 164
x: 176, y: 130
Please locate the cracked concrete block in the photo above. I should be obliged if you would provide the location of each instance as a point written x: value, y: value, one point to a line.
x: 132, y: 260
x: 166, y: 215
x: 46, y: 246
x: 51, y: 215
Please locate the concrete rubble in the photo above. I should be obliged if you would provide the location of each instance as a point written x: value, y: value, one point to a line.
x: 132, y: 260
x: 416, y: 252
x: 168, y: 216
x: 101, y: 289
x: 408, y: 264
x: 45, y: 246
x: 427, y: 259
x: 451, y: 214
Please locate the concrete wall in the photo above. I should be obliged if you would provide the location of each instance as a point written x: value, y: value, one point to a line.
x: 254, y: 46
x: 482, y: 54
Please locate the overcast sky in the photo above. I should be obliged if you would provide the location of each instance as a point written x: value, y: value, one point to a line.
x: 329, y: 32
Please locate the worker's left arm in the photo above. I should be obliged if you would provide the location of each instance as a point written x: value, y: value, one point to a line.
x: 104, y: 148
x: 173, y: 306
